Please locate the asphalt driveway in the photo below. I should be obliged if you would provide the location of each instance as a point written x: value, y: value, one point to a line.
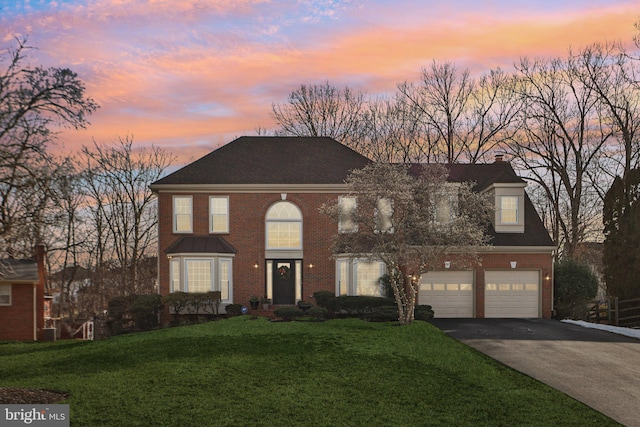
x: 598, y: 368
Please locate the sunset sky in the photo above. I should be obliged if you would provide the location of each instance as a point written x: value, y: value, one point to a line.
x: 190, y: 75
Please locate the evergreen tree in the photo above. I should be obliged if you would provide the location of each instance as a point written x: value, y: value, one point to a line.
x: 621, y: 218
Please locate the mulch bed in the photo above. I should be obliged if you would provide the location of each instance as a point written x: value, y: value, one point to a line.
x: 14, y: 396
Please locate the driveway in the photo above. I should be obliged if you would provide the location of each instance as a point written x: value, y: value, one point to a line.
x: 598, y: 368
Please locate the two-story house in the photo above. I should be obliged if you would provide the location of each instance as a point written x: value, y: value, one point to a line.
x: 245, y: 220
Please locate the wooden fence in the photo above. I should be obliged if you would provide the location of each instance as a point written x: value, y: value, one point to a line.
x: 616, y: 312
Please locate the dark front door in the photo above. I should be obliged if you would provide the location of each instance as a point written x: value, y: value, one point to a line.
x: 284, y: 282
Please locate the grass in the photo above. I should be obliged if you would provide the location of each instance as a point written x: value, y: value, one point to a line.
x: 252, y: 372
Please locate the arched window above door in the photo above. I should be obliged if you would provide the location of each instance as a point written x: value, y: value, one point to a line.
x: 284, y: 227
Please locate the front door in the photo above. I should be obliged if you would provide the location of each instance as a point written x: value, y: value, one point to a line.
x: 284, y: 282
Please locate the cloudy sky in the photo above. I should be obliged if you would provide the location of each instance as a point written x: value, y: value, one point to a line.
x: 190, y: 75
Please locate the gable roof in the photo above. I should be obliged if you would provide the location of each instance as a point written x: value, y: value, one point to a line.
x: 482, y: 174
x: 271, y: 160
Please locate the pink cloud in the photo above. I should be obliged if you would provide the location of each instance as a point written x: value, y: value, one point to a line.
x: 186, y: 73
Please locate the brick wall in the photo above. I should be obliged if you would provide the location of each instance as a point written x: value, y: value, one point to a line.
x: 247, y: 234
x: 16, y: 320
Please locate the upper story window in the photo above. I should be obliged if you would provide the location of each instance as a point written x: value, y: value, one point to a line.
x: 509, y: 209
x: 384, y: 213
x: 347, y: 222
x: 218, y: 214
x: 445, y: 209
x: 284, y: 226
x: 182, y: 214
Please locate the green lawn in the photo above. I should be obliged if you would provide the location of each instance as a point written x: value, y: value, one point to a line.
x: 242, y: 371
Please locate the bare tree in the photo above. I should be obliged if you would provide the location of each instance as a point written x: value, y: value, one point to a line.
x: 464, y: 119
x: 322, y: 110
x: 33, y: 101
x: 123, y: 210
x: 392, y: 133
x: 612, y: 75
x: 560, y: 141
x: 398, y: 223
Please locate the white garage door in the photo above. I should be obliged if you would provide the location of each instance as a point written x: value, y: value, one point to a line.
x: 449, y: 293
x: 513, y: 293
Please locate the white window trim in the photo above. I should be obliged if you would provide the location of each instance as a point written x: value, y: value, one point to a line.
x: 352, y: 274
x: 517, y: 210
x: 283, y: 221
x: 175, y: 215
x: 211, y: 214
x: 216, y: 260
x: 6, y: 289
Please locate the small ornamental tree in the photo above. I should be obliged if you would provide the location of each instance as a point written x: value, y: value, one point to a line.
x: 410, y: 221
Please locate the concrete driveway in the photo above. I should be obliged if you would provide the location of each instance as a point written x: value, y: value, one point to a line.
x: 598, y: 368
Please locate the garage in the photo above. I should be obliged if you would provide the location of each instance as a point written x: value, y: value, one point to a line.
x: 449, y: 293
x: 512, y: 294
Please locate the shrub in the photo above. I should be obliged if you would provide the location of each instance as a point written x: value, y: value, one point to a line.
x: 288, y: 313
x: 211, y: 302
x: 145, y: 310
x: 323, y: 297
x: 357, y: 306
x: 423, y: 312
x: 382, y: 314
x: 574, y: 286
x: 318, y: 313
x: 234, y: 309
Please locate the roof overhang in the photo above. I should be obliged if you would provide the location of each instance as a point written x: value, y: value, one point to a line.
x: 518, y: 249
x: 249, y: 188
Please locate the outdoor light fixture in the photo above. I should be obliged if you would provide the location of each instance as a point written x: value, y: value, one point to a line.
x: 256, y: 265
x: 514, y: 264
x: 310, y: 265
x: 447, y: 264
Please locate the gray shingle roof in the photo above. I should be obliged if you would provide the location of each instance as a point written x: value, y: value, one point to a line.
x: 18, y: 270
x: 201, y: 244
x: 272, y: 160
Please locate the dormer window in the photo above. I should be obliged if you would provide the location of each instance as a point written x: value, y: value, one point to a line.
x: 509, y: 210
x: 509, y: 207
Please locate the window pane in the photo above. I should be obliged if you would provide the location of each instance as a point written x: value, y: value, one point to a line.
x: 198, y: 275
x: 443, y: 210
x: 182, y: 214
x: 5, y: 294
x: 225, y: 279
x: 343, y: 277
x: 284, y: 211
x: 175, y: 275
x: 368, y: 275
x: 509, y: 209
x: 347, y: 222
x: 383, y: 215
x: 219, y: 211
x: 284, y: 235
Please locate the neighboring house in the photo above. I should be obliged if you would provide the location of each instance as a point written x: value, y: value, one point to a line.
x: 245, y: 220
x: 22, y: 299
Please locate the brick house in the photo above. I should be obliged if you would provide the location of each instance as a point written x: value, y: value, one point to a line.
x: 22, y: 299
x: 245, y: 220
